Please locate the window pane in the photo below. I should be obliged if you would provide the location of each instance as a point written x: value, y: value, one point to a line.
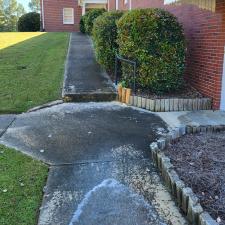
x: 68, y: 17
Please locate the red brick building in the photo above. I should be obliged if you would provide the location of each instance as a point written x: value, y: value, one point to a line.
x: 64, y: 15
x: 203, y: 22
x: 204, y: 25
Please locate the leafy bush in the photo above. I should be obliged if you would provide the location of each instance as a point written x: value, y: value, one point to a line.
x: 104, y: 37
x: 29, y: 22
x: 90, y: 18
x: 82, y: 26
x: 155, y: 40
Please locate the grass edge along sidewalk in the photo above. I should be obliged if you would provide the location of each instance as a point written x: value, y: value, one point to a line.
x: 21, y: 184
x: 31, y: 69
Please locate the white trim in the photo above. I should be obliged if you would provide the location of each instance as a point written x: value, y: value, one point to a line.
x: 43, y: 15
x: 72, y: 16
x: 169, y: 1
x: 84, y: 9
x: 117, y: 4
x: 222, y: 104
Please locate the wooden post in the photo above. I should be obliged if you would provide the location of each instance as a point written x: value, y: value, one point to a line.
x: 123, y: 95
x: 120, y: 92
x: 128, y: 93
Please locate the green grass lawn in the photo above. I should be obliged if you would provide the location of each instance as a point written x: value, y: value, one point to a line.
x: 31, y: 69
x: 21, y: 183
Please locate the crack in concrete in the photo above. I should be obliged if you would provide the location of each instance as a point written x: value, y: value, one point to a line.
x: 5, y: 130
x: 123, y: 161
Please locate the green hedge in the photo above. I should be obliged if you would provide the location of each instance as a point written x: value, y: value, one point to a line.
x: 29, y: 22
x: 82, y: 26
x: 90, y: 17
x: 104, y: 37
x: 155, y: 40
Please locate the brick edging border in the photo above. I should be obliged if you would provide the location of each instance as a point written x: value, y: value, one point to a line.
x: 171, y: 104
x: 185, y: 198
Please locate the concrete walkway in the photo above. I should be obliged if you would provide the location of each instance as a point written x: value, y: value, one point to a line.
x: 99, y: 160
x: 195, y: 118
x: 84, y: 78
x: 100, y: 167
x: 98, y: 153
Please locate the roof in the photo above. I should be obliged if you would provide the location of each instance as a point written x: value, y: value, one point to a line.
x: 203, y: 4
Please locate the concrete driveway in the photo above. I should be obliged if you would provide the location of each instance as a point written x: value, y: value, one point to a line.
x: 100, y: 167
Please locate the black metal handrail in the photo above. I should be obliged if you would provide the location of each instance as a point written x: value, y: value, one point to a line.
x: 118, y: 59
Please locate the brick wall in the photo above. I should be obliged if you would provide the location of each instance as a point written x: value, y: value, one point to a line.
x: 111, y: 5
x: 53, y: 14
x: 205, y: 34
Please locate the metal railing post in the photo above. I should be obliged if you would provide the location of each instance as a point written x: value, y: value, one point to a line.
x: 133, y: 63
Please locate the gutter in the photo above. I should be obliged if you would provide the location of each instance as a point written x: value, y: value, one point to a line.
x: 117, y: 5
x: 43, y: 15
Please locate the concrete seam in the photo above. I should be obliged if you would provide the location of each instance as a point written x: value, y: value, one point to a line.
x: 96, y: 162
x: 4, y: 131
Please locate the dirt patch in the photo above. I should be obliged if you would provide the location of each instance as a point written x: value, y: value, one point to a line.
x: 199, y: 159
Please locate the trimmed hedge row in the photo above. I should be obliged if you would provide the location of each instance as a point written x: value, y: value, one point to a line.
x: 105, y: 36
x: 86, y: 22
x: 155, y: 40
x: 82, y: 26
x: 151, y: 37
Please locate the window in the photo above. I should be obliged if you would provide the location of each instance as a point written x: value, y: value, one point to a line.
x: 169, y: 1
x: 68, y: 16
x: 125, y: 2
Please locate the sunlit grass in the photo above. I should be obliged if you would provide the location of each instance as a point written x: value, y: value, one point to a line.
x: 10, y: 38
x: 31, y: 69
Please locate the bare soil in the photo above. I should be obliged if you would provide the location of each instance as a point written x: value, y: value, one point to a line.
x: 199, y: 159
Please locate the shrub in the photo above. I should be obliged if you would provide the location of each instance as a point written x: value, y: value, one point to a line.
x: 82, y: 26
x: 104, y: 37
x: 155, y: 40
x: 90, y: 17
x: 29, y: 22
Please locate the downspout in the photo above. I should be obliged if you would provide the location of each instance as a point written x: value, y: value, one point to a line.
x: 117, y: 5
x: 130, y: 4
x: 222, y: 100
x: 83, y: 8
x: 43, y: 15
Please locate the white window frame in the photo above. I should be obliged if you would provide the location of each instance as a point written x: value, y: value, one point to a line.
x: 72, y: 19
x: 169, y: 1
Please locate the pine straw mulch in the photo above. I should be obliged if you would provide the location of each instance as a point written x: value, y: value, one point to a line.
x: 199, y: 159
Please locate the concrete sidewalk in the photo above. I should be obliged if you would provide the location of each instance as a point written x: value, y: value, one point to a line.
x: 100, y: 169
x: 193, y: 118
x: 84, y: 80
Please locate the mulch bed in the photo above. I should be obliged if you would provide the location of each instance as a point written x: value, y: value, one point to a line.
x: 199, y: 159
x: 185, y: 92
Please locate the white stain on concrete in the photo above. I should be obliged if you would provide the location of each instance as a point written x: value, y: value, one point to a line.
x: 50, y: 210
x: 120, y: 192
